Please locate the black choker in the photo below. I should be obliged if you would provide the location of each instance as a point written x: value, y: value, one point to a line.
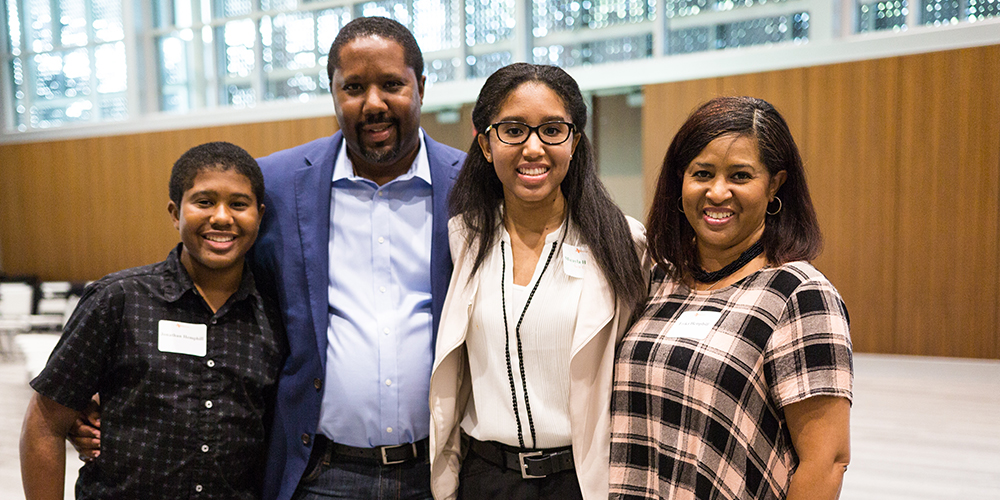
x: 702, y: 276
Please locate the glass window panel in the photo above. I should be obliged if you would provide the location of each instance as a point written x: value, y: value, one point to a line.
x: 240, y: 96
x: 233, y: 8
x: 61, y: 74
x: 291, y: 43
x: 114, y: 108
x: 596, y: 52
x: 238, y: 40
x: 983, y: 9
x: 73, y: 23
x: 109, y: 60
x: 443, y: 70
x: 14, y: 27
x: 108, y: 20
x: 393, y: 9
x: 435, y: 24
x: 40, y: 25
x: 279, y: 4
x: 561, y: 15
x: 49, y: 115
x: 328, y: 24
x: 298, y: 86
x: 878, y: 16
x: 488, y: 21
x: 172, y: 13
x: 486, y: 64
x: 762, y: 31
x: 689, y: 40
x: 682, y: 8
x: 939, y: 12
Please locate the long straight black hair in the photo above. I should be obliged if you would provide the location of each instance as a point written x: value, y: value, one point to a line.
x: 478, y: 194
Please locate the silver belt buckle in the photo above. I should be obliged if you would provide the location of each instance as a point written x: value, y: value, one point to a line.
x: 524, y: 468
x: 385, y: 459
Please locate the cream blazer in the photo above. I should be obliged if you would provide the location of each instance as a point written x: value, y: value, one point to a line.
x: 600, y: 325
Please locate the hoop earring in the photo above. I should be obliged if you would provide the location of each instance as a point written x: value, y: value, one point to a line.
x: 779, y: 207
x: 680, y: 205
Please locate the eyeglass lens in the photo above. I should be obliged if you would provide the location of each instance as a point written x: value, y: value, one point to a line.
x: 551, y: 133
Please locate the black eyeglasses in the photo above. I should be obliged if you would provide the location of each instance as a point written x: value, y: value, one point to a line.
x: 515, y: 133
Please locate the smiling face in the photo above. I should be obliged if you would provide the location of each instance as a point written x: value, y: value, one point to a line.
x: 218, y: 219
x: 725, y: 192
x: 377, y: 97
x: 531, y: 172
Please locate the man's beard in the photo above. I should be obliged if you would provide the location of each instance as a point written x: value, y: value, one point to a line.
x: 380, y: 156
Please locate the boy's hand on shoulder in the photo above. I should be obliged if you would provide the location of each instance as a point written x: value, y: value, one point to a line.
x: 85, y: 435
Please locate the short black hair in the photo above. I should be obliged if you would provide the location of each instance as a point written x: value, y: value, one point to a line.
x: 218, y: 156
x: 381, y: 27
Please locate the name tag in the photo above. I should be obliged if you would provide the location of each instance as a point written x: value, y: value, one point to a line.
x: 574, y: 260
x: 694, y: 324
x: 182, y: 338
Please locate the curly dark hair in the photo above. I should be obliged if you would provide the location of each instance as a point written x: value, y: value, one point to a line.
x: 478, y: 194
x: 789, y: 235
x: 218, y: 156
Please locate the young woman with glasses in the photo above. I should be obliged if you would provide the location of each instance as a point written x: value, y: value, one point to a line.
x: 547, y: 273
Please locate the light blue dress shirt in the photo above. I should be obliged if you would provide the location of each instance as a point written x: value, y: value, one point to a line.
x: 380, y: 350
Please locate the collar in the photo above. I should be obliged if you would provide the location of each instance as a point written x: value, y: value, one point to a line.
x: 420, y: 169
x: 177, y: 281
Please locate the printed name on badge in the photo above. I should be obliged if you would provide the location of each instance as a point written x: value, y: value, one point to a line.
x: 574, y: 260
x: 182, y: 338
x: 694, y: 324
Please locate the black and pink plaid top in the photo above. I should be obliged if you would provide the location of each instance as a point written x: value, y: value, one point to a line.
x: 702, y: 418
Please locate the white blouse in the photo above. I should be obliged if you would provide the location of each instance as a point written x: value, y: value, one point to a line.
x: 546, y: 338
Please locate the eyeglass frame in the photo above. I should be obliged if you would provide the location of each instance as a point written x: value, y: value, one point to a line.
x: 493, y: 126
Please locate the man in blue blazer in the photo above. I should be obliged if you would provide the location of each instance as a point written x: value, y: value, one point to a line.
x: 355, y: 244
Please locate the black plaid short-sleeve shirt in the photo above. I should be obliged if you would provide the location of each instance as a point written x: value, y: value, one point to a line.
x: 173, y: 425
x: 697, y: 410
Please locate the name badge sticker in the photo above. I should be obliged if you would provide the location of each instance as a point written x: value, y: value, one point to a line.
x: 182, y: 338
x: 694, y: 324
x: 574, y: 260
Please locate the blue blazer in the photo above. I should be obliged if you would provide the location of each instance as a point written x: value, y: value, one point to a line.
x: 292, y: 258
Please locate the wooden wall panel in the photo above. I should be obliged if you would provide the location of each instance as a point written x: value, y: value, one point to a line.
x: 948, y: 213
x: 849, y: 155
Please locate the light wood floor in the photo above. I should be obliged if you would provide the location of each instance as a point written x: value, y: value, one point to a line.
x: 922, y: 429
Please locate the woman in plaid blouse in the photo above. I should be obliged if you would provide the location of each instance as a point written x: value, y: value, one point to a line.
x: 736, y: 381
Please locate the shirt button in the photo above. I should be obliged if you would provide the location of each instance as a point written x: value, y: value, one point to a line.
x: 388, y: 382
x: 208, y: 404
x: 388, y: 429
x: 381, y: 289
x: 210, y: 363
x: 317, y: 383
x: 381, y: 194
x: 386, y: 331
x: 381, y: 239
x: 305, y: 439
x: 204, y: 448
x: 198, y: 488
x: 214, y: 321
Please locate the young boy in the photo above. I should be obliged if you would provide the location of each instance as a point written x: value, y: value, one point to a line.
x: 184, y: 355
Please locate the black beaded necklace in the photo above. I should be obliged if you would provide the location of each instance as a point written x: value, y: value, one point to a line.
x: 517, y: 333
x: 702, y: 276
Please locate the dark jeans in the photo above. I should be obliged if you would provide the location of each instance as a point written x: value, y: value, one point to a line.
x: 364, y: 480
x: 480, y: 479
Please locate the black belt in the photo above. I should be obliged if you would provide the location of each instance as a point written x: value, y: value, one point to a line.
x: 531, y: 463
x: 385, y: 455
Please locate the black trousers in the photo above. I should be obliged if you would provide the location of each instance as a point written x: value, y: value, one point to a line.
x: 480, y: 479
